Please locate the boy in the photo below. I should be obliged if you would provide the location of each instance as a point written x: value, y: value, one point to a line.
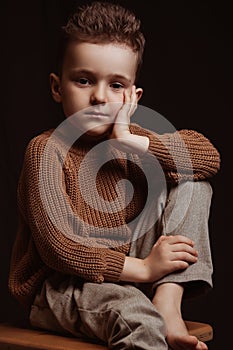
x: 75, y: 277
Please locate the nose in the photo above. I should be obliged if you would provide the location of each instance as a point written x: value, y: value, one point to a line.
x: 99, y: 94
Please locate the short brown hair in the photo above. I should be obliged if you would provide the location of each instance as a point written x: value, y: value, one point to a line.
x: 103, y: 22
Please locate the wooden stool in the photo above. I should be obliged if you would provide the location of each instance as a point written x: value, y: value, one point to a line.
x: 16, y: 338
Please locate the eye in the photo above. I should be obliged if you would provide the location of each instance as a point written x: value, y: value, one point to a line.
x: 117, y: 86
x: 83, y: 81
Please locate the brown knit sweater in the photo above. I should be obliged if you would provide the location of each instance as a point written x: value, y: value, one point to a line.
x: 42, y: 247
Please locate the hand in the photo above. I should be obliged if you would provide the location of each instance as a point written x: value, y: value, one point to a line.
x: 169, y: 254
x: 122, y: 120
x: 123, y: 139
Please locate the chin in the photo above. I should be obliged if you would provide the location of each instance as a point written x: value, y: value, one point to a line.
x: 99, y: 132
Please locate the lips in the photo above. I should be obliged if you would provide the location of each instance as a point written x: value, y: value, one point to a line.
x: 97, y: 114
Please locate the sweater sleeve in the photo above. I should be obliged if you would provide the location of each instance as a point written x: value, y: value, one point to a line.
x: 59, y: 250
x: 183, y: 155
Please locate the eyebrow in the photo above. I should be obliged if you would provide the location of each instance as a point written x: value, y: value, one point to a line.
x: 90, y: 72
x: 119, y: 76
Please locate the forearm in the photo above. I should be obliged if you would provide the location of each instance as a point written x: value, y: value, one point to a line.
x: 130, y: 143
x: 177, y: 153
x: 134, y: 270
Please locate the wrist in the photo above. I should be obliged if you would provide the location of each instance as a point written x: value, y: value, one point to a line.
x: 131, y: 143
x: 134, y: 270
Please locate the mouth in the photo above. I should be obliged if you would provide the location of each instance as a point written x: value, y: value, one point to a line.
x: 97, y: 114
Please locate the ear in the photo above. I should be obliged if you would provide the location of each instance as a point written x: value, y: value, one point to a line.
x: 139, y: 93
x: 55, y: 87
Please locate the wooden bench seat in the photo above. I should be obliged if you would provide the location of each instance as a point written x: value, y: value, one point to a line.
x: 18, y: 338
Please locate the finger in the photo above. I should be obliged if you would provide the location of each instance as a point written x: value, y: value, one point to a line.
x: 130, y: 97
x: 183, y: 247
x: 178, y: 265
x: 180, y: 239
x: 183, y: 256
x: 123, y: 114
x: 133, y: 100
x: 128, y: 107
x: 127, y: 96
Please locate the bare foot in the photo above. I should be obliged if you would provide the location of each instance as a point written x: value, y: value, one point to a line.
x: 178, y: 337
x: 167, y: 301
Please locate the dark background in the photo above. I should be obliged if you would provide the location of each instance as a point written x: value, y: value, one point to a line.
x: 187, y: 77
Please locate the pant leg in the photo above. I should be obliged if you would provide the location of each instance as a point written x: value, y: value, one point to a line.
x: 186, y: 212
x: 119, y: 315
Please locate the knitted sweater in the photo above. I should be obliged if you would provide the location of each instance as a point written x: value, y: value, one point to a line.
x: 42, y: 246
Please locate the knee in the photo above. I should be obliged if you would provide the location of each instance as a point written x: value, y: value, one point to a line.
x: 195, y: 190
x: 202, y: 192
x: 203, y: 187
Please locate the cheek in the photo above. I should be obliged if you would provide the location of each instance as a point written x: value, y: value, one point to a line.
x: 73, y: 101
x: 114, y: 108
x: 117, y: 97
x: 116, y: 102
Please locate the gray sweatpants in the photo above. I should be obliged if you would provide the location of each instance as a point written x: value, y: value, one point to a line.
x: 122, y: 315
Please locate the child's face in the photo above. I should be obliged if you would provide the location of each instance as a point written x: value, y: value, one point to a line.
x: 94, y: 75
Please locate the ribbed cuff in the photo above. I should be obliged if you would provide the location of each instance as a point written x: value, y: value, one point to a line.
x: 114, y: 265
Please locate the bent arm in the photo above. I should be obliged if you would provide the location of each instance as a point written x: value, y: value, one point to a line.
x: 183, y: 155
